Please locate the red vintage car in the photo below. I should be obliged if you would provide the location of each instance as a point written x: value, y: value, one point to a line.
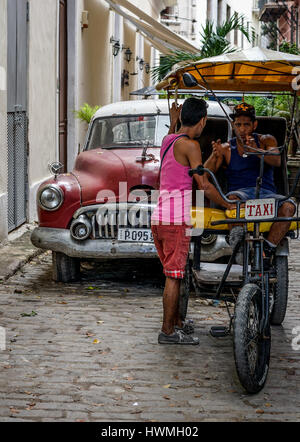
x: 102, y: 208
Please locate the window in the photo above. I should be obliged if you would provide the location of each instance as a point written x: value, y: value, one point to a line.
x: 228, y: 12
x: 128, y: 131
x: 220, y: 12
x: 209, y: 10
x: 228, y: 15
x: 236, y: 34
x: 242, y: 35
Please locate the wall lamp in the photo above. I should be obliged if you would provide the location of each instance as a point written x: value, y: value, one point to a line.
x: 128, y: 53
x: 147, y: 68
x: 141, y: 63
x: 116, y: 46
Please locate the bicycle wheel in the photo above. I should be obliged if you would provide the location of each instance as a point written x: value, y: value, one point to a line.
x: 280, y: 290
x: 251, y: 349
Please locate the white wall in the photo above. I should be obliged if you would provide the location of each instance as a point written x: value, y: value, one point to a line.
x: 3, y: 119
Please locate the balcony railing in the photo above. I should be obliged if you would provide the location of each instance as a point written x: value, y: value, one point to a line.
x: 261, y: 3
x: 270, y: 10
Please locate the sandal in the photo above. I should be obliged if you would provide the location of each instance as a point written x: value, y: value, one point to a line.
x: 178, y: 337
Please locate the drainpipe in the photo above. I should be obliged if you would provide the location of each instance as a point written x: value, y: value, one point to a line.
x: 57, y: 83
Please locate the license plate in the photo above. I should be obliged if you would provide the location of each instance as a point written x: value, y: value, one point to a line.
x: 135, y: 235
x: 256, y: 209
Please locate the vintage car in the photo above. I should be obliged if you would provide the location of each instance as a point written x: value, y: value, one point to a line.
x: 102, y: 208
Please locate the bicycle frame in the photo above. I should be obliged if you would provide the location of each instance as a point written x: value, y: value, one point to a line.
x: 257, y: 274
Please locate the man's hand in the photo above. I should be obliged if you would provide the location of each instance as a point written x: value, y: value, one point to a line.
x: 175, y: 117
x: 232, y: 206
x: 217, y: 149
x: 251, y: 144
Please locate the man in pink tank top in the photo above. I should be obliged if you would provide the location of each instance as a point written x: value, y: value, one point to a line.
x: 171, y: 218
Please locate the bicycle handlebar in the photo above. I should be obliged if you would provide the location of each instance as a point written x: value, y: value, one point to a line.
x: 267, y: 153
x: 201, y: 170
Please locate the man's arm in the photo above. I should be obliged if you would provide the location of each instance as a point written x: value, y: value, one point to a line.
x: 216, y: 158
x: 194, y: 157
x: 174, y: 117
x: 268, y: 142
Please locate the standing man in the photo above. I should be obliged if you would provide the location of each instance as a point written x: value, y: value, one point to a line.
x: 171, y: 222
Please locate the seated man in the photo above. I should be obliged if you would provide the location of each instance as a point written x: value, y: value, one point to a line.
x: 242, y: 172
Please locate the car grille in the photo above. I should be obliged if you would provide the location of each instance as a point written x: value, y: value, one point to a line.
x: 108, y: 218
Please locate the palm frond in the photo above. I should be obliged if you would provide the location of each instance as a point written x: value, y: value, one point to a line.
x: 214, y: 42
x: 168, y: 61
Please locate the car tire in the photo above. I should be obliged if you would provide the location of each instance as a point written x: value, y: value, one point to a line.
x: 251, y: 354
x: 280, y: 290
x: 65, y: 268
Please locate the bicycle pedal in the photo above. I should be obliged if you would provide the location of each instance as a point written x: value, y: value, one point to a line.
x: 219, y: 332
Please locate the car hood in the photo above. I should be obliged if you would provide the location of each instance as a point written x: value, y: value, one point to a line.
x: 100, y: 173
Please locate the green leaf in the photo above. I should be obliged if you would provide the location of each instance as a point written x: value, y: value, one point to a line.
x: 33, y: 313
x: 86, y: 112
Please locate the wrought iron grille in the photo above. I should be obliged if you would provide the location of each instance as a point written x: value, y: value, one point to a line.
x: 17, y: 127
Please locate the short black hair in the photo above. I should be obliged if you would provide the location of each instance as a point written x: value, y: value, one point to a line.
x: 193, y: 110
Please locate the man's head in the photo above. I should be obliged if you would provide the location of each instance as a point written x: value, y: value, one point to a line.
x: 244, y: 119
x: 194, y: 114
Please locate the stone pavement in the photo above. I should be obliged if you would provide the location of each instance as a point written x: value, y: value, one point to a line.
x: 88, y: 351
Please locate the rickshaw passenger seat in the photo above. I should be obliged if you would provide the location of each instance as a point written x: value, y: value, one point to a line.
x: 276, y: 126
x: 216, y: 128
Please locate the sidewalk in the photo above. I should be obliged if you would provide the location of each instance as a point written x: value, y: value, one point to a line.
x: 17, y: 251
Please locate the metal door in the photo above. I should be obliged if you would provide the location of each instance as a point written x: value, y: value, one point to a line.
x: 17, y: 13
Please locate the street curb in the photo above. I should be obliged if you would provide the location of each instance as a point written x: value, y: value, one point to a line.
x: 15, y: 254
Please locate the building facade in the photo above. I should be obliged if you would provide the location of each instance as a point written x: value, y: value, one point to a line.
x: 280, y: 21
x: 188, y: 17
x: 56, y: 55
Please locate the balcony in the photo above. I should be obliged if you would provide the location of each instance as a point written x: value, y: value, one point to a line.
x: 270, y: 11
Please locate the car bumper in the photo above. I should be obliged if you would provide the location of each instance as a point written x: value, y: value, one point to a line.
x: 60, y: 240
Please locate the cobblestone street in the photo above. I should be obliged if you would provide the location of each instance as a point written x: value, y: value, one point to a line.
x: 88, y: 351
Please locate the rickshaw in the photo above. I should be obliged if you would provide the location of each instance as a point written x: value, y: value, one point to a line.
x: 258, y: 292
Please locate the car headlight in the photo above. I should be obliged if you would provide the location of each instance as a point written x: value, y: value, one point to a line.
x: 50, y: 197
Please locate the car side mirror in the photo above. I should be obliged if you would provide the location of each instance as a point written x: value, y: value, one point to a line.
x: 189, y: 80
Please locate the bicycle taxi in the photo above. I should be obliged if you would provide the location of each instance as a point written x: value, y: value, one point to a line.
x: 259, y: 294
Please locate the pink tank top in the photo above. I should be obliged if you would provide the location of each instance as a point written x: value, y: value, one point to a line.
x: 175, y: 197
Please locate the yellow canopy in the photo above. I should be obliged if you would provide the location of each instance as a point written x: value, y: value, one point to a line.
x: 252, y: 70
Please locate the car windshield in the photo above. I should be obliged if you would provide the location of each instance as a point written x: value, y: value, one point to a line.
x: 129, y: 131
